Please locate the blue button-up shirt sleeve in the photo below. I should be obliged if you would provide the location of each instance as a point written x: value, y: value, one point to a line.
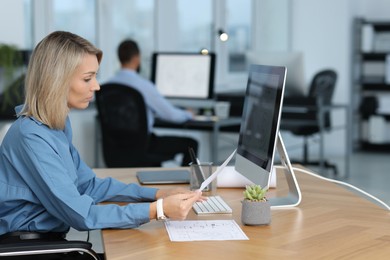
x: 46, y: 186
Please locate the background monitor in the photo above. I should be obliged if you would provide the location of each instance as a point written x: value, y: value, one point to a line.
x: 293, y: 61
x: 184, y: 75
x: 260, y: 123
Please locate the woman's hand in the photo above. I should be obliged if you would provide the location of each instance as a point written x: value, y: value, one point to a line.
x: 162, y: 193
x: 177, y: 206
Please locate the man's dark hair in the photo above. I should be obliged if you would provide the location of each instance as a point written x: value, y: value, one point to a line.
x: 127, y: 50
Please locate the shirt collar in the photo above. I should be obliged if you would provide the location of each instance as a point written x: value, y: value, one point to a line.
x: 129, y: 71
x: 20, y: 107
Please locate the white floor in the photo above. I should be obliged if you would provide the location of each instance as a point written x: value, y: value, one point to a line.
x: 371, y: 172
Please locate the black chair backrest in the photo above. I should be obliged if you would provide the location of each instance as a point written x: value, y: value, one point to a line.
x: 323, y: 85
x: 123, y: 120
x: 322, y: 88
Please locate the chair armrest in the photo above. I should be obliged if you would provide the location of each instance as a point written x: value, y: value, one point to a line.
x: 46, y: 247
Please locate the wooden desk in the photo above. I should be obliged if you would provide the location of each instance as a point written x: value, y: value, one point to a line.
x: 330, y: 223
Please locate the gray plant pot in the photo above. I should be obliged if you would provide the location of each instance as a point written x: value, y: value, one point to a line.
x: 255, y: 213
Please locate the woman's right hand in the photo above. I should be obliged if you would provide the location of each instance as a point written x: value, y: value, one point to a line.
x: 177, y: 206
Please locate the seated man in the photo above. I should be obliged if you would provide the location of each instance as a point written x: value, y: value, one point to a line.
x: 157, y: 106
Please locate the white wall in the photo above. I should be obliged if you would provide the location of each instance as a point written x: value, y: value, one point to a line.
x: 373, y: 9
x: 322, y: 30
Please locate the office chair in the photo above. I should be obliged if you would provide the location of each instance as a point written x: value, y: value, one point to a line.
x: 34, y: 249
x: 123, y: 120
x: 301, y: 115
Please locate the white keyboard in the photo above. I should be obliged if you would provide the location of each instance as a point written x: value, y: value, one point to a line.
x: 213, y: 205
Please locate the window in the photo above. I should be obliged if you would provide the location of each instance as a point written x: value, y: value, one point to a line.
x: 123, y: 19
x: 75, y: 16
x: 238, y: 24
x: 175, y: 25
x: 195, y: 24
x: 28, y: 24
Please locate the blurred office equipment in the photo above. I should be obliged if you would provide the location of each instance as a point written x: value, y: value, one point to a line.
x: 370, y: 84
x: 310, y: 115
x: 206, y: 124
x: 186, y: 79
x: 374, y: 112
x: 123, y: 123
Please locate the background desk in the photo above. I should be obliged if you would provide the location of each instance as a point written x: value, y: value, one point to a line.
x: 213, y: 126
x: 321, y: 111
x: 330, y: 223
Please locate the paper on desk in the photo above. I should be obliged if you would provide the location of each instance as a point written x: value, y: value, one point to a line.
x: 200, y: 230
x: 215, y: 174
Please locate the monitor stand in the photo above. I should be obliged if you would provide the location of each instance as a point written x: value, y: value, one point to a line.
x: 294, y: 194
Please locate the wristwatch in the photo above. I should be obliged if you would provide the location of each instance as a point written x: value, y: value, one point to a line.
x: 160, y: 210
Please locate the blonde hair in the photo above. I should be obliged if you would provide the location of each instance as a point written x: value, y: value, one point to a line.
x: 51, y: 67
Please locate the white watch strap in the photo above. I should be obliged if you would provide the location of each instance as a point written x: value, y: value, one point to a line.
x: 160, y: 210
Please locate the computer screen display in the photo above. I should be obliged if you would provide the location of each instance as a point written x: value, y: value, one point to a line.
x: 260, y: 122
x: 184, y: 75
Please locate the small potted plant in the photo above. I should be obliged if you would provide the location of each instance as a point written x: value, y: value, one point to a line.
x: 256, y: 210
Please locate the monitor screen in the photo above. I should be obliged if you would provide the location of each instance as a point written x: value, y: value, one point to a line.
x: 293, y: 61
x: 184, y: 75
x: 260, y: 122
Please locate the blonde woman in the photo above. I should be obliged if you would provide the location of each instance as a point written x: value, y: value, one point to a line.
x: 46, y: 188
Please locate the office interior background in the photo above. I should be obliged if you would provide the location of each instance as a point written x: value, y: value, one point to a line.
x: 321, y: 30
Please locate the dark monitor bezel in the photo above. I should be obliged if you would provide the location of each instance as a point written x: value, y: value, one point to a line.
x: 293, y: 61
x: 264, y: 163
x: 212, y: 56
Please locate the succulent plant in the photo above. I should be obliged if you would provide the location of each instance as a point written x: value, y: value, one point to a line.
x: 255, y: 193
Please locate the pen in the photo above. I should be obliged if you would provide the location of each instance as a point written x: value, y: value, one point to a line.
x: 192, y: 155
x: 196, y: 161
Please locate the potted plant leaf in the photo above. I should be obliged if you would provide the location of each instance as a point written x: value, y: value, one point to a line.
x: 11, y: 80
x: 256, y: 210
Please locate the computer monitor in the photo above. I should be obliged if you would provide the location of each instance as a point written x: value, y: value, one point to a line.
x: 293, y: 61
x: 259, y: 132
x: 188, y: 76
